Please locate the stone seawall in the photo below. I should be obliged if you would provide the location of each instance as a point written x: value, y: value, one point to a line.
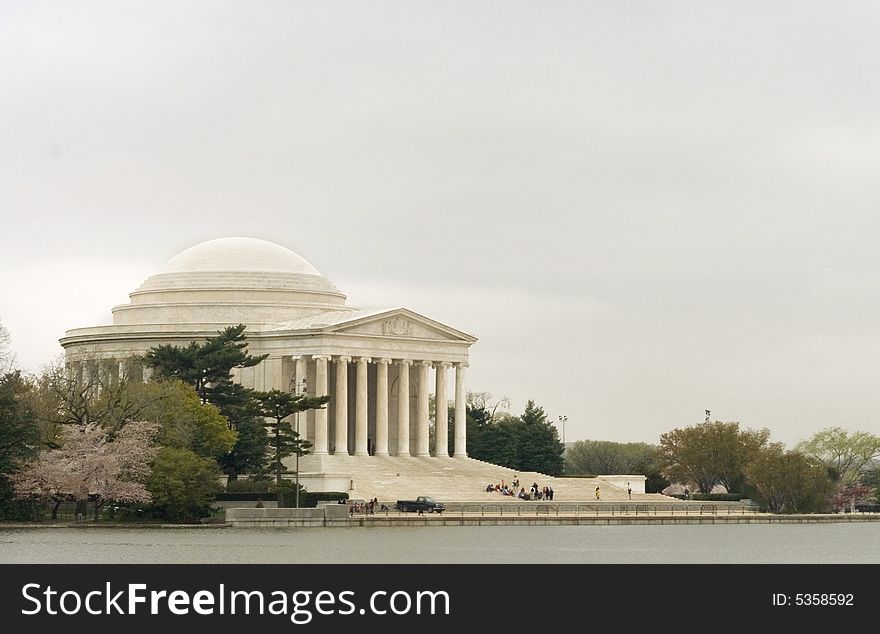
x: 607, y: 520
x: 327, y: 515
x: 337, y: 516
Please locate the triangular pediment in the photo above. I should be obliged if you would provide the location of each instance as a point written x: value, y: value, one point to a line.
x: 399, y: 323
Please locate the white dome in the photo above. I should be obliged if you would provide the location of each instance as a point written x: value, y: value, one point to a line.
x: 238, y: 255
x: 230, y: 281
x: 238, y: 263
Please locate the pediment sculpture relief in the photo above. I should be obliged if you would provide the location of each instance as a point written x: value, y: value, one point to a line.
x: 397, y: 326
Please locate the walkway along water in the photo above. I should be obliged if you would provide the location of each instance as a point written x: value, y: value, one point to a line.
x: 530, y: 515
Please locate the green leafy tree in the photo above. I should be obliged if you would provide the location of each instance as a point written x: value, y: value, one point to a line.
x: 602, y: 457
x: 539, y: 447
x: 710, y: 453
x: 19, y: 437
x: 485, y: 433
x: 61, y: 397
x: 182, y: 484
x: 848, y: 456
x: 871, y: 479
x: 207, y: 366
x: 242, y: 408
x: 528, y: 442
x: 595, y: 457
x: 502, y: 441
x: 184, y: 421
x: 249, y: 455
x: 655, y: 482
x: 276, y: 406
x: 735, y: 449
x: 787, y: 481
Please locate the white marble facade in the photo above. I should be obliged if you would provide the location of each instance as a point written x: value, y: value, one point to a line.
x: 378, y: 366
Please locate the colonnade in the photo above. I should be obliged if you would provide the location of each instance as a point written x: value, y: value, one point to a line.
x: 377, y: 406
x: 97, y: 374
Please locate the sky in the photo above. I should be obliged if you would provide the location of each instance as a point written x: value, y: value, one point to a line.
x: 642, y: 210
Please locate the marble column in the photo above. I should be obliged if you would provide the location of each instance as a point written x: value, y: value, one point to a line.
x: 422, y: 421
x: 300, y: 384
x: 259, y: 376
x: 99, y: 376
x: 460, y: 431
x: 341, y: 405
x: 320, y: 447
x: 287, y: 381
x: 246, y: 376
x: 147, y: 374
x: 403, y: 407
x: 360, y: 408
x: 441, y: 412
x: 273, y: 374
x: 382, y: 407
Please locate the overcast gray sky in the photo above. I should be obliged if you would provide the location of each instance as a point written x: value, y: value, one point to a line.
x: 642, y: 209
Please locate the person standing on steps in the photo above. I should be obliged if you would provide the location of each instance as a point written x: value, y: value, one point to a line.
x: 597, y: 492
x: 629, y: 491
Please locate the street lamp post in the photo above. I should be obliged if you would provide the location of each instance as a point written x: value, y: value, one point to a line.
x: 299, y: 444
x: 563, y: 419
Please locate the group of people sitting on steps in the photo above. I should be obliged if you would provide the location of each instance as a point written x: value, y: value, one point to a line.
x: 534, y: 492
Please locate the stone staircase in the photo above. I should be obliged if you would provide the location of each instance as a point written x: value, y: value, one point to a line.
x: 390, y: 478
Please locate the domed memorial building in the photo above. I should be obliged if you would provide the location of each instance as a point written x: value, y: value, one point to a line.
x: 374, y: 363
x: 378, y: 366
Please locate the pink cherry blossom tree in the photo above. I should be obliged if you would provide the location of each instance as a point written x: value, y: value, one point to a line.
x: 846, y: 497
x: 92, y: 465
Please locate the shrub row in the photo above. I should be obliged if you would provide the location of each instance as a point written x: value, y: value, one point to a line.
x: 310, y: 499
x: 712, y: 497
x: 246, y: 496
x: 247, y: 486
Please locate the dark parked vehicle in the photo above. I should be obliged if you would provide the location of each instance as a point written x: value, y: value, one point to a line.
x: 421, y: 504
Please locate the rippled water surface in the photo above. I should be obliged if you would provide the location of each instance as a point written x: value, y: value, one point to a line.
x: 755, y: 543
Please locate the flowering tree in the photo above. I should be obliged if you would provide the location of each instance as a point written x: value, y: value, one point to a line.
x: 846, y: 497
x: 91, y: 465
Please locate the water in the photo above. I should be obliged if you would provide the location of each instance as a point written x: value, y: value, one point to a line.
x: 734, y: 543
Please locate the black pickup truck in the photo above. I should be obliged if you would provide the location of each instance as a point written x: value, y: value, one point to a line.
x: 422, y: 504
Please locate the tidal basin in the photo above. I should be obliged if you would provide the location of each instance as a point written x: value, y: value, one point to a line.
x: 654, y: 544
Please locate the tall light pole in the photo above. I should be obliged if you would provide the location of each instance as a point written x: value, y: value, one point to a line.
x: 303, y: 387
x: 563, y: 420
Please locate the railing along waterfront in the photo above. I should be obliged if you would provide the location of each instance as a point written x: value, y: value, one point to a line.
x: 575, y: 509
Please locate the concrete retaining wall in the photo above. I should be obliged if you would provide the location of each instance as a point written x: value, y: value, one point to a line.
x: 326, y: 515
x: 336, y: 515
x: 607, y: 520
